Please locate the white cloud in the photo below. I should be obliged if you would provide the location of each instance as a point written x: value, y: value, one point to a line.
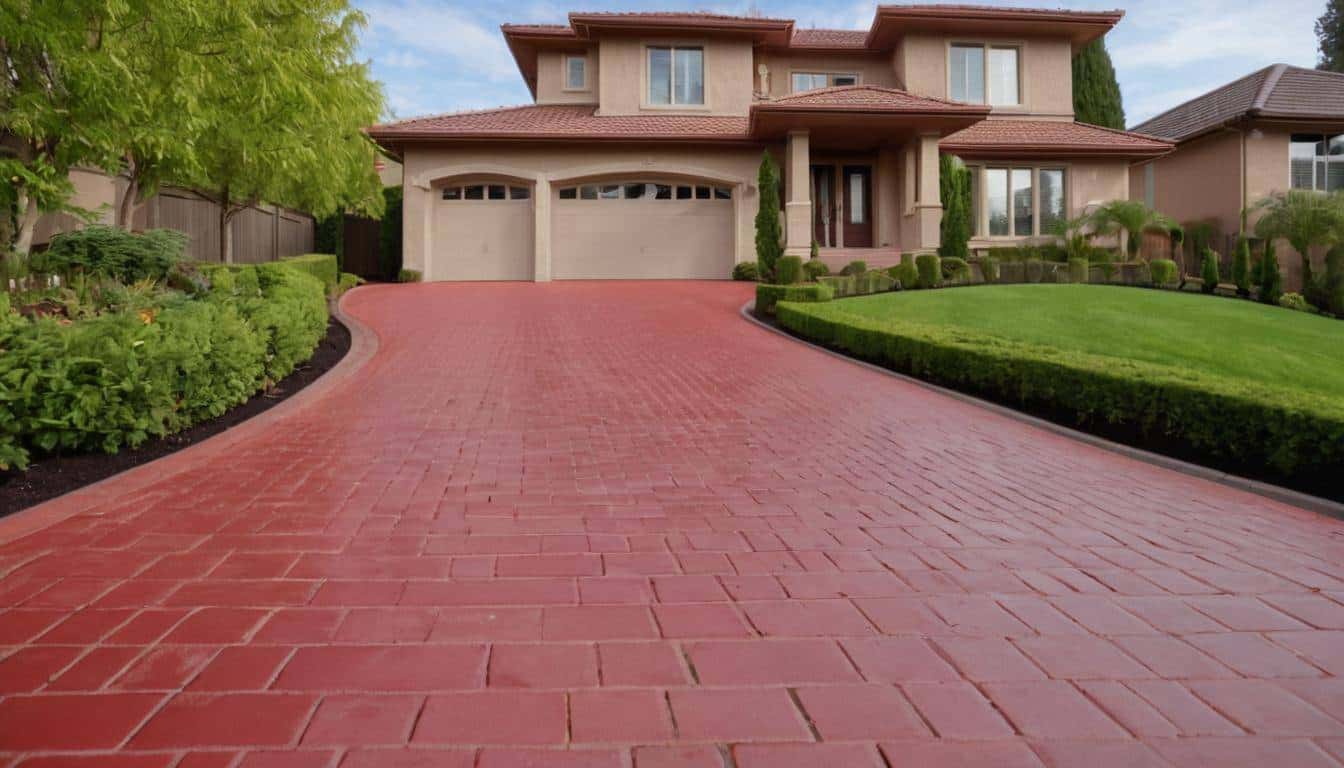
x: 440, y: 32
x: 1169, y: 35
x: 402, y: 60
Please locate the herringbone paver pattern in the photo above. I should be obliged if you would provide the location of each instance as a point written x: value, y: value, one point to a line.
x: 607, y: 524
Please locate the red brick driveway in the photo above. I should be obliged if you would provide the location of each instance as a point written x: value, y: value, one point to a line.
x: 595, y: 524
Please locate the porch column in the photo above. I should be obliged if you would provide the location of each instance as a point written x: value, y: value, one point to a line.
x: 798, y: 186
x: 417, y: 216
x: 541, y: 231
x: 929, y: 209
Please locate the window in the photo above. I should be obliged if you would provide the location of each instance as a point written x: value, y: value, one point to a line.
x: 497, y: 192
x: 487, y: 192
x: 519, y: 193
x: 810, y: 81
x: 452, y: 193
x: 634, y: 190
x: 1316, y: 162
x: 996, y: 193
x: 588, y: 192
x: 1053, y: 208
x: 981, y: 74
x: 569, y: 193
x: 858, y: 206
x: 684, y: 193
x: 476, y: 192
x: 576, y: 73
x: 1020, y: 202
x: 676, y: 76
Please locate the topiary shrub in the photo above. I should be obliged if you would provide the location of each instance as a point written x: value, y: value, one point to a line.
x: 874, y: 281
x: 746, y: 270
x: 955, y: 270
x: 346, y: 282
x: 408, y: 276
x: 1162, y: 272
x: 1296, y: 302
x: 989, y: 269
x: 767, y: 296
x: 815, y: 268
x: 930, y: 270
x: 1271, y: 280
x: 1208, y: 271
x: 954, y: 192
x: 113, y: 252
x: 789, y: 270
x: 1241, y: 267
x: 855, y: 268
x: 905, y: 273
x: 1079, y: 270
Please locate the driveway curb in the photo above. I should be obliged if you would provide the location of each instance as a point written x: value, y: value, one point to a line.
x: 1273, y: 492
x: 364, y: 344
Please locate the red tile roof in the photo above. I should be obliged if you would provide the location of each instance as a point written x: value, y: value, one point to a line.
x: 838, y: 39
x: 1022, y: 138
x: 867, y: 98
x: 563, y: 121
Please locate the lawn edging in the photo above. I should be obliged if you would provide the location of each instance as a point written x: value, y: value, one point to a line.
x: 364, y: 345
x: 1267, y: 490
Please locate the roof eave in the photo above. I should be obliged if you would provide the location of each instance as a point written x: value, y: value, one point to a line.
x: 1054, y: 151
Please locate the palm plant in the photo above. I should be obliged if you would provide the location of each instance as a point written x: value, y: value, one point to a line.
x: 1305, y: 219
x: 1133, y: 217
x: 1074, y: 236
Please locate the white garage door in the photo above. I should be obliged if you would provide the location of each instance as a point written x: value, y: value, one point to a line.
x: 642, y: 230
x: 483, y: 231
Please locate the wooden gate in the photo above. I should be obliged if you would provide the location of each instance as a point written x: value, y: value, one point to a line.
x: 361, y: 251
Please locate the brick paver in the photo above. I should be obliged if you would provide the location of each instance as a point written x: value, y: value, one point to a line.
x: 613, y: 524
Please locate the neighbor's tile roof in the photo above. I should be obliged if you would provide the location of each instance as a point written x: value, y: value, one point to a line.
x: 830, y: 38
x: 867, y: 98
x: 563, y: 121
x: 1051, y: 136
x: 1277, y: 91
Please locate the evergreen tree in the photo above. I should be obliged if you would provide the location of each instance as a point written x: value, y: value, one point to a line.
x: 1096, y: 94
x: 954, y: 192
x: 1209, y: 271
x: 1330, y: 36
x: 1271, y: 280
x: 769, y: 235
x: 1241, y: 268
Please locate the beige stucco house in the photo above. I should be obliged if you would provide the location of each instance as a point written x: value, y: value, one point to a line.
x: 639, y: 157
x: 1279, y: 128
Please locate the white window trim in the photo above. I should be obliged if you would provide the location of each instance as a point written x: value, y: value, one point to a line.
x: 982, y: 188
x: 564, y: 73
x: 644, y: 83
x: 830, y: 77
x: 987, y: 45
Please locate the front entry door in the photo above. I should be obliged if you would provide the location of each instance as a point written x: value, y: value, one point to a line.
x: 823, y: 205
x: 858, y: 212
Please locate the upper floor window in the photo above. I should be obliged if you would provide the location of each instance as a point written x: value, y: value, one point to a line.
x: 576, y: 73
x: 1316, y: 162
x: 984, y: 74
x: 676, y: 75
x: 810, y: 81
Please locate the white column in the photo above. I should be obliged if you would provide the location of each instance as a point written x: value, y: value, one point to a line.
x: 798, y: 208
x: 417, y: 215
x: 929, y: 209
x: 541, y: 255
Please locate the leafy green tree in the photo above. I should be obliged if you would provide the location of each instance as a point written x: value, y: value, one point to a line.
x: 1241, y: 267
x: 1330, y: 36
x: 769, y: 235
x: 1096, y: 93
x: 1305, y: 219
x: 1133, y: 218
x: 954, y: 191
x: 1271, y: 280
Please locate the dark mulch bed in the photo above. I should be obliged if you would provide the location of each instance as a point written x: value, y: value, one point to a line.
x: 51, y: 476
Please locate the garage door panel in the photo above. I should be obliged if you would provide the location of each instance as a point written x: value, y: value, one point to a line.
x: 642, y: 239
x: 483, y: 240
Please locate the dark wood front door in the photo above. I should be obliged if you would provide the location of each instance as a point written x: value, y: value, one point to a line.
x: 857, y: 181
x: 823, y: 205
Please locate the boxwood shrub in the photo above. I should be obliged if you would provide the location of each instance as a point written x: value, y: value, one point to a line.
x: 930, y: 270
x: 905, y: 273
x: 1163, y: 272
x: 747, y: 271
x: 320, y: 265
x: 955, y: 269
x: 789, y: 270
x: 1290, y: 437
x: 118, y: 379
x: 767, y: 296
x: 814, y: 268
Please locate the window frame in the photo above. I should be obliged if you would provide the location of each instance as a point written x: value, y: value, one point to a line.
x: 987, y: 47
x: 1327, y: 160
x: 830, y: 76
x: 646, y: 66
x: 565, y: 59
x: 663, y: 189
x: 980, y: 225
x: 457, y: 192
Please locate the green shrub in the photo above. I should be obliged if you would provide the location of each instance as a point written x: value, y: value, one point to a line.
x: 113, y: 252
x: 930, y: 269
x: 1297, y: 436
x: 1034, y: 270
x: 319, y: 265
x: 1052, y: 252
x: 855, y: 268
x: 815, y: 268
x: 1208, y: 271
x: 874, y: 281
x: 408, y: 276
x: 120, y: 378
x: 347, y: 282
x: 1334, y: 281
x: 989, y: 269
x: 1079, y: 270
x: 841, y: 285
x: 1241, y: 267
x: 767, y: 296
x: 955, y: 270
x: 746, y: 270
x: 789, y: 270
x: 906, y: 273
x: 814, y: 252
x: 1297, y: 302
x: 954, y: 193
x: 769, y: 233
x: 1271, y: 280
x: 1162, y: 272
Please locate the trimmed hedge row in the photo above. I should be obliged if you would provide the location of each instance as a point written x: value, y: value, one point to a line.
x: 1291, y: 437
x: 859, y: 284
x: 767, y: 296
x: 121, y: 378
x: 323, y: 266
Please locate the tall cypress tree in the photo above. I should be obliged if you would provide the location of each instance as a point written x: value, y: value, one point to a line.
x: 954, y: 182
x: 1096, y: 94
x: 1330, y: 34
x: 769, y: 233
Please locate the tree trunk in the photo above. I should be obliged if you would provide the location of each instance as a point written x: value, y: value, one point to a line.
x: 225, y: 234
x: 126, y: 210
x: 28, y: 216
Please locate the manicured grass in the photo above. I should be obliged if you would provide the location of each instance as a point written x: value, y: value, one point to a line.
x: 1218, y: 336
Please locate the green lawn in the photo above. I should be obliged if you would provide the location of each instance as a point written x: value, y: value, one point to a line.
x: 1227, y: 338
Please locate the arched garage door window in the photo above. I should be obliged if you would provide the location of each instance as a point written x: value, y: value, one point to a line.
x: 645, y: 190
x: 472, y: 192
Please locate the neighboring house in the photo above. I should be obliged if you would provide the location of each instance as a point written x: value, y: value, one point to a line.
x: 639, y: 158
x: 1279, y: 128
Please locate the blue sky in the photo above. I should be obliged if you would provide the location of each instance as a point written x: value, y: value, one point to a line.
x: 444, y: 55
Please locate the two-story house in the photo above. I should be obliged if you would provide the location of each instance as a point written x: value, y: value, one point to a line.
x: 639, y: 157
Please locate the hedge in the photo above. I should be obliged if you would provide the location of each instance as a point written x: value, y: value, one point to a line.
x: 1290, y: 437
x: 323, y: 266
x: 769, y: 295
x: 118, y: 379
x: 789, y: 270
x: 862, y: 284
x: 930, y: 270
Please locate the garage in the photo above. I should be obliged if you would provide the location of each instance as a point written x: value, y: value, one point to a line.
x: 642, y: 229
x: 483, y: 230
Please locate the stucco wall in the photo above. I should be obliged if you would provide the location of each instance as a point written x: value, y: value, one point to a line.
x: 1200, y: 181
x: 872, y: 70
x: 623, y: 82
x: 551, y: 77
x: 94, y: 191
x: 1046, y: 71
x: 553, y: 165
